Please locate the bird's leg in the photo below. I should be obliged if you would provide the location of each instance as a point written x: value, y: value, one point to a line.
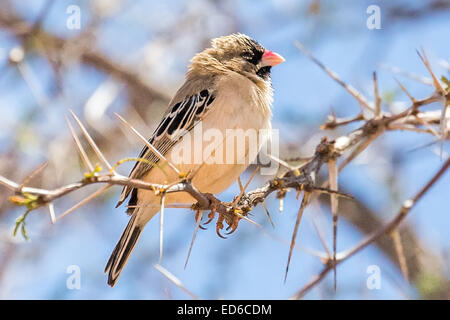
x: 231, y: 216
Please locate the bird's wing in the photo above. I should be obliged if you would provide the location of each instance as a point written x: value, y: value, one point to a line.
x: 180, y: 118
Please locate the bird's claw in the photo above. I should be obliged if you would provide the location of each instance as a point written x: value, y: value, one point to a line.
x: 219, y: 225
x: 197, y: 216
x: 233, y: 226
x: 230, y: 219
x: 211, y: 216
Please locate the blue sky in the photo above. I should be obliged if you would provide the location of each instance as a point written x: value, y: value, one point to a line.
x: 248, y: 265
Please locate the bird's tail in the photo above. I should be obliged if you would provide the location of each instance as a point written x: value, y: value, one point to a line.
x: 123, y: 249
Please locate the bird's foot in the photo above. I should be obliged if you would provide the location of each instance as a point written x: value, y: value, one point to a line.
x: 233, y: 222
x: 230, y: 217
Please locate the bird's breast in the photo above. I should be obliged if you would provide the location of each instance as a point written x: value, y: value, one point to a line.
x: 224, y: 143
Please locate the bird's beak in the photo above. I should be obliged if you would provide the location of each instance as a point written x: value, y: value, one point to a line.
x: 270, y: 58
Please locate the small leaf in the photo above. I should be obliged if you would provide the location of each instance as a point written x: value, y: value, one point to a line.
x: 18, y: 223
x: 30, y: 196
x: 182, y: 175
x: 17, y: 200
x: 446, y: 81
x: 90, y: 175
x: 24, y: 231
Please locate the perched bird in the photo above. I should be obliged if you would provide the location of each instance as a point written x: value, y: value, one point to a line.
x: 227, y: 86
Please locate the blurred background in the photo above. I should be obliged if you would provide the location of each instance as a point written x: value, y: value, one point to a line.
x: 130, y: 57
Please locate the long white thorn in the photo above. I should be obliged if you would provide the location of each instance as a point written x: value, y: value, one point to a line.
x: 161, y: 225
x: 197, y: 226
x: 84, y: 201
x: 51, y: 210
x: 148, y: 144
x: 174, y: 280
x: 82, y: 152
x: 92, y: 143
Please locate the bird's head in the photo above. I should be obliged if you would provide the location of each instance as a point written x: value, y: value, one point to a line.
x: 241, y: 54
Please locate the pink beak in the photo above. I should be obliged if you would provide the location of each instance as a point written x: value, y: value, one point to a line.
x: 270, y: 58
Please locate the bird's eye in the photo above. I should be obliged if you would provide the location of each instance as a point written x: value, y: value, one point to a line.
x: 247, y: 56
x: 252, y: 57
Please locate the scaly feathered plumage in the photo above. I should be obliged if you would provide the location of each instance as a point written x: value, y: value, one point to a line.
x: 227, y: 87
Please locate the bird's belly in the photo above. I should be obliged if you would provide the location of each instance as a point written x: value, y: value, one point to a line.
x: 215, y: 152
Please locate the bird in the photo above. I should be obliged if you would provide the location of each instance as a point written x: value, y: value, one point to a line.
x: 227, y: 86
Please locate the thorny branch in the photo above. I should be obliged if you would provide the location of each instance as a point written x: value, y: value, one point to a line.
x: 386, y: 229
x: 301, y: 178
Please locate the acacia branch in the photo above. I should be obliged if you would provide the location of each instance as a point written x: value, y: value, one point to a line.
x: 298, y: 178
x: 386, y: 229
